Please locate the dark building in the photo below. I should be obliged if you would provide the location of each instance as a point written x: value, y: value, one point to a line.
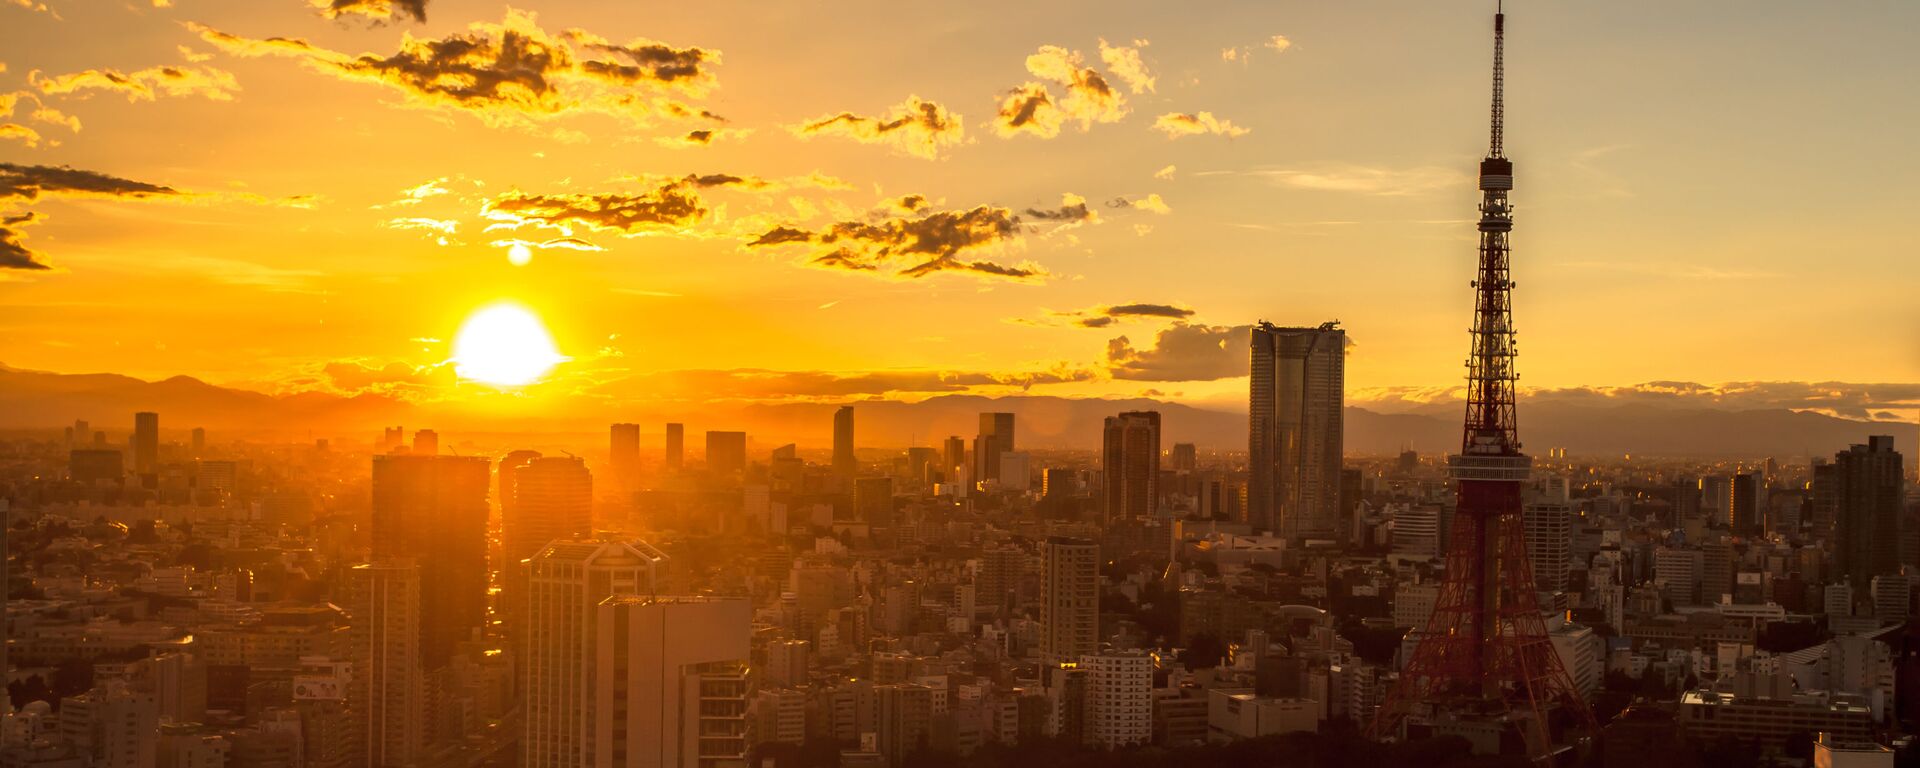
x: 623, y: 455
x: 1296, y: 394
x: 844, y: 465
x: 1130, y: 465
x: 726, y: 452
x: 433, y: 509
x: 1743, y: 513
x: 996, y: 437
x: 676, y: 445
x: 873, y: 501
x: 1869, y: 485
x: 90, y: 466
x: 146, y: 443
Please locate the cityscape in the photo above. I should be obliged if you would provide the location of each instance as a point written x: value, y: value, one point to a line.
x: 482, y: 502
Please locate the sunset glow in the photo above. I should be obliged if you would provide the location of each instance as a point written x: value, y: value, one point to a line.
x: 504, y: 345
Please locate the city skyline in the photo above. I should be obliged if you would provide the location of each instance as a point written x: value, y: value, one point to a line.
x: 1324, y: 201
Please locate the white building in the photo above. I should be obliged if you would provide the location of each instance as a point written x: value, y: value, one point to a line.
x: 670, y: 685
x: 566, y: 582
x: 1120, y: 686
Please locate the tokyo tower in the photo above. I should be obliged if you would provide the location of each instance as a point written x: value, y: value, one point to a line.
x: 1485, y: 667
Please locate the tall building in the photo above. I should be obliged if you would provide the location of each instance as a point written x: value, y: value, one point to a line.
x: 676, y: 446
x: 1297, y: 392
x: 1069, y: 599
x: 567, y: 581
x: 91, y: 466
x: 726, y: 452
x: 995, y: 438
x: 146, y: 443
x: 623, y: 456
x: 552, y: 499
x: 956, y: 459
x: 1549, y: 543
x: 426, y: 442
x: 1870, y: 491
x: 873, y: 501
x: 199, y: 441
x: 844, y: 465
x: 1185, y: 458
x: 388, y: 687
x: 1121, y: 688
x: 1130, y: 465
x: 1746, y: 500
x: 670, y: 683
x: 433, y: 509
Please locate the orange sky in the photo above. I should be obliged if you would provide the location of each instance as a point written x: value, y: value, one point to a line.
x: 834, y: 200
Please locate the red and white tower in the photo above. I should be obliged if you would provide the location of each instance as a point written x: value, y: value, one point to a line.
x: 1485, y: 666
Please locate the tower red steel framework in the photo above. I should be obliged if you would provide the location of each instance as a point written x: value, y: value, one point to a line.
x: 1485, y: 657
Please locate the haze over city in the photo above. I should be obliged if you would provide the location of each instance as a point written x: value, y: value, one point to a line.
x: 457, y: 384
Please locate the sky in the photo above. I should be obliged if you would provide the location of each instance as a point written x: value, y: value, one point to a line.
x: 841, y: 200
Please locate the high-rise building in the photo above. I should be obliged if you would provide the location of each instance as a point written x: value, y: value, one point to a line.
x: 388, y: 688
x: 1870, y: 492
x: 1121, y: 688
x: 1550, y: 543
x: 391, y: 439
x: 567, y: 581
x: 1746, y: 499
x: 1130, y: 465
x: 873, y: 501
x: 1069, y: 599
x: 726, y: 452
x: 844, y: 465
x: 433, y: 509
x: 426, y: 442
x: 676, y: 446
x: 623, y: 456
x: 199, y: 441
x: 670, y: 682
x: 89, y: 466
x: 1185, y: 458
x: 113, y: 725
x: 956, y: 459
x: 1298, y: 390
x: 146, y: 443
x: 995, y: 438
x: 552, y: 498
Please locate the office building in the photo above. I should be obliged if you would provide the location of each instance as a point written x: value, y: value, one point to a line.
x: 146, y: 443
x: 1549, y: 526
x: 1294, y: 440
x: 956, y: 460
x: 1130, y: 465
x: 1185, y: 458
x: 92, y: 466
x: 426, y: 442
x: 844, y: 465
x: 676, y: 446
x: 566, y: 582
x: 1870, y: 493
x: 995, y: 439
x: 873, y: 501
x: 388, y: 687
x: 199, y: 441
x: 1746, y: 498
x: 552, y: 498
x: 726, y: 452
x: 670, y: 683
x: 433, y: 509
x: 1069, y: 599
x: 623, y: 456
x: 1121, y: 688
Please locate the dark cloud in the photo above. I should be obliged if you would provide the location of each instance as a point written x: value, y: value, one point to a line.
x: 1178, y: 124
x: 1090, y: 98
x: 1072, y: 208
x: 15, y: 254
x: 1104, y: 315
x: 703, y: 136
x: 915, y: 127
x: 673, y: 206
x: 1182, y: 352
x: 30, y: 182
x: 514, y: 70
x: 379, y: 10
x: 914, y: 245
x: 1028, y: 109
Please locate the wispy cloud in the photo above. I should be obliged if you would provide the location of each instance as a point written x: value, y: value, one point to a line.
x: 1361, y: 179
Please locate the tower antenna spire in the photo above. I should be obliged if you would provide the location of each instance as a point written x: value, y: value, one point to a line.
x: 1495, y: 148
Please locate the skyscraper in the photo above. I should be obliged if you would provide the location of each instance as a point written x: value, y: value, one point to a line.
x: 1870, y: 491
x: 623, y: 456
x: 670, y: 684
x: 552, y: 499
x: 426, y: 442
x: 956, y: 459
x: 146, y: 443
x: 199, y: 441
x: 676, y: 446
x: 1745, y: 501
x: 1294, y: 434
x: 567, y: 581
x: 995, y: 438
x: 1069, y: 599
x: 1549, y: 542
x: 1130, y: 463
x: 726, y: 452
x: 388, y: 687
x: 433, y: 509
x: 873, y: 501
x: 844, y: 465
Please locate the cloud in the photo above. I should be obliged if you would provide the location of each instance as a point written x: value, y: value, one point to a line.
x: 1151, y: 203
x: 770, y: 385
x: 31, y: 182
x: 1165, y: 174
x: 1178, y: 124
x: 1370, y: 180
x: 568, y: 243
x: 1279, y: 43
x: 378, y: 10
x: 1182, y: 352
x: 393, y: 379
x: 15, y: 254
x: 20, y: 133
x: 142, y: 85
x: 915, y: 127
x: 1073, y: 208
x: 668, y: 207
x: 1090, y: 98
x: 1124, y: 62
x: 917, y: 245
x: 1028, y: 109
x: 41, y: 113
x: 513, y: 72
x: 1102, y: 316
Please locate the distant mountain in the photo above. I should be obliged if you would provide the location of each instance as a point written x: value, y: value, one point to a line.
x: 35, y: 400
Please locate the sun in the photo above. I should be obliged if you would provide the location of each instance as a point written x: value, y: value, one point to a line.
x: 505, y: 345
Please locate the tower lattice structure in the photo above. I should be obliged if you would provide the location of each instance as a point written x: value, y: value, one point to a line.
x: 1485, y: 656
